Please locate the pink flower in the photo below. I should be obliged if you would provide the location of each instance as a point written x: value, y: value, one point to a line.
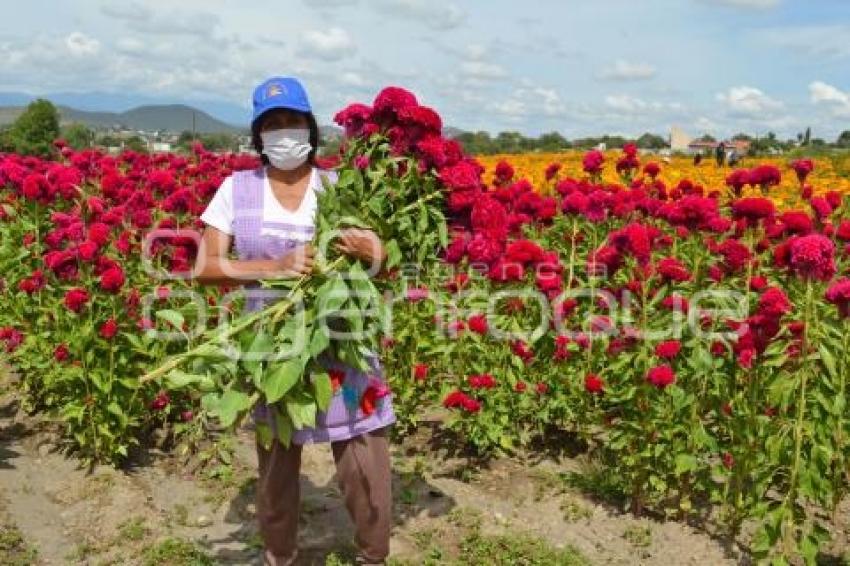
x: 361, y: 162
x: 416, y: 294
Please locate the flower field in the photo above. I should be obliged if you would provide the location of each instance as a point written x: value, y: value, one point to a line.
x: 688, y: 326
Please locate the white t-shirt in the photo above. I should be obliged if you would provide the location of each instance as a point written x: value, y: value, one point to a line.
x: 220, y: 213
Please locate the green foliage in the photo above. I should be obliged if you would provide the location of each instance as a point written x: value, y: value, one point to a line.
x: 176, y: 552
x: 35, y: 130
x: 78, y: 136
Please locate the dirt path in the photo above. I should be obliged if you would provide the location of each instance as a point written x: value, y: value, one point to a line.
x: 154, y: 514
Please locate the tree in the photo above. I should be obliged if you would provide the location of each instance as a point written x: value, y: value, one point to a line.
x: 707, y: 138
x: 742, y: 137
x: 553, y: 141
x: 651, y: 141
x: 34, y: 130
x: 807, y: 137
x: 137, y: 144
x: 844, y: 139
x: 78, y: 136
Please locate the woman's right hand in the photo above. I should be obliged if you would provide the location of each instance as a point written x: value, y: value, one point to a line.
x: 299, y: 261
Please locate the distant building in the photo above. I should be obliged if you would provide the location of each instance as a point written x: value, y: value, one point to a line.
x: 679, y: 139
x: 159, y: 147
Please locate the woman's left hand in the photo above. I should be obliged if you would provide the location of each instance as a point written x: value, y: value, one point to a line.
x: 362, y: 244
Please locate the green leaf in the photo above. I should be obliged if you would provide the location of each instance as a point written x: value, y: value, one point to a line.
x: 685, y: 463
x: 264, y: 435
x: 301, y: 409
x: 320, y: 341
x: 322, y: 389
x: 175, y: 318
x: 283, y: 426
x: 828, y: 360
x: 393, y: 253
x: 177, y: 379
x: 281, y: 378
x: 229, y: 405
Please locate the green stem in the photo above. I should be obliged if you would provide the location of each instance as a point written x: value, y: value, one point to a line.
x: 216, y: 334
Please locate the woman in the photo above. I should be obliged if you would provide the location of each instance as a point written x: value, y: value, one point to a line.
x: 269, y: 215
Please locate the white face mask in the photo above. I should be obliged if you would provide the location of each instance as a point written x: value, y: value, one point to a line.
x: 286, y: 148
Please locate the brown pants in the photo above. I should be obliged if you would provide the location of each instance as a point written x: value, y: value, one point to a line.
x: 363, y: 472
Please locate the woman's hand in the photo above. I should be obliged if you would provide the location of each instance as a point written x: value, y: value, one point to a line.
x: 362, y: 244
x: 298, y: 261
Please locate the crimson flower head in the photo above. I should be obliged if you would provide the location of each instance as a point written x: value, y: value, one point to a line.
x: 652, y: 169
x: 593, y: 384
x: 112, y: 279
x: 669, y: 349
x: 459, y: 399
x: 802, y: 167
x: 420, y: 372
x: 75, y: 299
x: 661, y: 376
x: 753, y: 209
x: 672, y: 269
x: 812, y: 257
x: 593, y: 161
x: 108, y: 329
x: 160, y: 402
x: 839, y: 295
x: 552, y: 170
x: 774, y: 303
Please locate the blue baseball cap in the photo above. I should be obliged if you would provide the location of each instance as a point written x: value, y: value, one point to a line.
x: 280, y: 92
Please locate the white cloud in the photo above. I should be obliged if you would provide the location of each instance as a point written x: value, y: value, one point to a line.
x: 749, y: 102
x: 434, y: 15
x: 626, y: 71
x: 482, y: 70
x: 350, y: 78
x: 837, y: 100
x: 330, y: 45
x: 623, y: 103
x: 81, y: 45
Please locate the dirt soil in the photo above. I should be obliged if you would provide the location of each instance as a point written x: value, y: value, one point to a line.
x: 71, y: 515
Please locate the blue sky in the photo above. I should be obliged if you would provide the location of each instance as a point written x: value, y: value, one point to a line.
x: 575, y: 66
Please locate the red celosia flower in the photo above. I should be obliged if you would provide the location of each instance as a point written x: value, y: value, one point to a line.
x: 812, y: 256
x: 652, y: 169
x: 542, y: 388
x: 108, y: 329
x: 735, y: 254
x: 593, y: 161
x: 753, y: 209
x: 504, y: 173
x: 552, y: 170
x: 802, y: 167
x: 661, y: 376
x: 728, y: 460
x: 75, y: 299
x: 668, y: 350
x: 672, y: 269
x: 797, y: 222
x: 459, y: 399
x: 482, y: 381
x: 60, y: 353
x: 160, y: 402
x: 839, y: 295
x: 420, y: 372
x: 478, y: 323
x: 774, y: 303
x: 593, y: 384
x: 521, y: 349
x: 520, y: 386
x: 112, y: 279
